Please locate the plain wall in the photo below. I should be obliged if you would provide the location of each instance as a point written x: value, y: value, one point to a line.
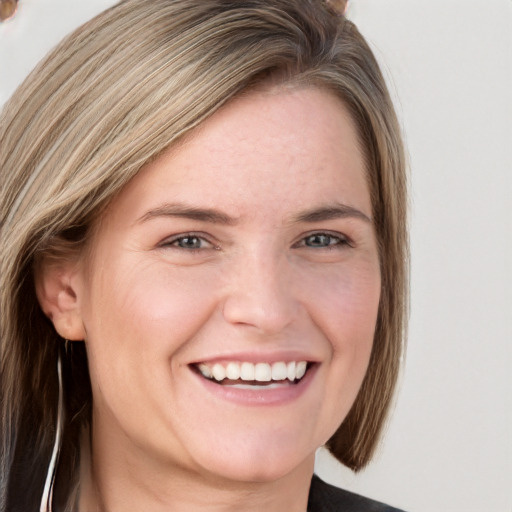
x: 448, y: 447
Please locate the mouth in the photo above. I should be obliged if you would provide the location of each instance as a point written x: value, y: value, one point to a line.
x: 248, y: 375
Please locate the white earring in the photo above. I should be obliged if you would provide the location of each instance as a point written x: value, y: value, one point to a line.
x: 47, y: 498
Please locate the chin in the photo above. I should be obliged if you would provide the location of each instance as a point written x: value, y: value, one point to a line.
x: 259, y: 463
x: 270, y: 471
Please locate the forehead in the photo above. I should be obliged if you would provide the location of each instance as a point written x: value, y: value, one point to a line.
x: 282, y: 119
x: 284, y: 145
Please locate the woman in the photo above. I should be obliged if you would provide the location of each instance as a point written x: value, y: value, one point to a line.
x: 203, y: 270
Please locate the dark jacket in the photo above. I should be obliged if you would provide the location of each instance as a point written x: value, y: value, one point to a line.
x: 327, y: 498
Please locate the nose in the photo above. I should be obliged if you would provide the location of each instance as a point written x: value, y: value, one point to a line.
x: 260, y: 293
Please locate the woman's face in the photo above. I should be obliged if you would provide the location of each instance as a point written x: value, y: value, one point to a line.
x: 249, y: 249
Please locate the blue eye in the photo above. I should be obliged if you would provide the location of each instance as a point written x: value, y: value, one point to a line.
x: 323, y: 240
x: 190, y: 242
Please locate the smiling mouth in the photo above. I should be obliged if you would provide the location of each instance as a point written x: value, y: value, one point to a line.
x: 247, y: 375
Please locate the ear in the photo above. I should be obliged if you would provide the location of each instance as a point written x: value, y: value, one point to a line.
x: 58, y: 286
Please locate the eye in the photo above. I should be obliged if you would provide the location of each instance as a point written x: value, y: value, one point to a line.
x: 323, y: 241
x: 188, y: 241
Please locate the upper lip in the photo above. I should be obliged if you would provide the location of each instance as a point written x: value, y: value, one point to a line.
x: 259, y: 357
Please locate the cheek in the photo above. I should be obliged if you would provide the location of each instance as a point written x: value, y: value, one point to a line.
x: 354, y: 320
x: 138, y: 316
x: 346, y: 311
x: 148, y: 298
x: 345, y: 305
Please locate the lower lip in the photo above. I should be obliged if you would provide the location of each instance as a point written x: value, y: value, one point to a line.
x: 278, y: 395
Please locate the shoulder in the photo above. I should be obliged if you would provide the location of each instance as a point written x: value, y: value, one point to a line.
x: 327, y: 498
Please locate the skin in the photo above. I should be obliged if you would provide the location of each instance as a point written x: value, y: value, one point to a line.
x: 250, y: 280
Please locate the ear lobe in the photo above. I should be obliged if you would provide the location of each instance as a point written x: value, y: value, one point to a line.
x: 57, y: 290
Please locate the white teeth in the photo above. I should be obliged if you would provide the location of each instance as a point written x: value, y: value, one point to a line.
x: 205, y: 370
x: 247, y: 371
x: 290, y: 369
x: 218, y: 372
x: 279, y: 371
x: 262, y: 372
x: 233, y: 371
x: 301, y: 369
x: 250, y: 372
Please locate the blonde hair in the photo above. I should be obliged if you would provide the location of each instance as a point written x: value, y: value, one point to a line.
x: 111, y: 98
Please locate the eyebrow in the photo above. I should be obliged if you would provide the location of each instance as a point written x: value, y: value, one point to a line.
x: 336, y: 211
x: 189, y: 212
x: 213, y: 216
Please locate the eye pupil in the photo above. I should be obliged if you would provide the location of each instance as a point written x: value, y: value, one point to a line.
x: 190, y: 242
x: 319, y: 240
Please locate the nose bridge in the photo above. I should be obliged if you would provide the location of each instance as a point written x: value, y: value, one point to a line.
x: 260, y: 292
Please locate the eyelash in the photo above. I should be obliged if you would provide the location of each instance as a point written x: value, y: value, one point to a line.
x: 174, y: 242
x: 339, y: 241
